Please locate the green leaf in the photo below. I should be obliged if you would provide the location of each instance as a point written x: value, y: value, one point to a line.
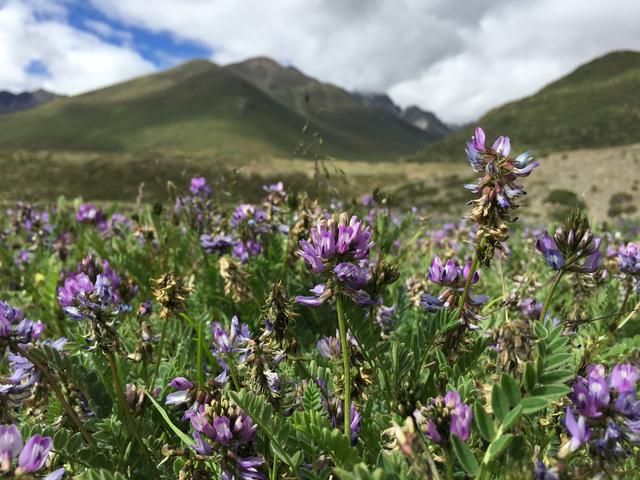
x: 103, y: 474
x: 483, y: 422
x: 558, y: 359
x: 511, y: 418
x: 551, y: 391
x: 529, y: 377
x: 557, y: 376
x: 465, y: 456
x: 271, y: 424
x: 312, y: 398
x: 499, y: 402
x: 497, y: 447
x: 186, y: 439
x: 534, y: 404
x: 511, y: 389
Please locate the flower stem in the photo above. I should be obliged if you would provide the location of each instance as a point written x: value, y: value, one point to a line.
x: 627, y: 294
x: 156, y: 367
x: 547, y: 301
x: 344, y: 347
x: 274, y: 468
x: 122, y: 400
x: 449, y: 460
x: 234, y: 374
x: 467, y: 284
x: 56, y: 388
x: 505, y: 296
x: 199, y: 366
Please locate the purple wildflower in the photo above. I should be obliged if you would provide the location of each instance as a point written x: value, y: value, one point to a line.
x: 444, y: 417
x: 200, y: 186
x: 580, y: 433
x: 623, y: 378
x: 34, y: 454
x: 10, y: 445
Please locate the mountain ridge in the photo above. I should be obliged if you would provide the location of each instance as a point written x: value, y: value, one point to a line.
x: 230, y: 110
x: 15, y: 102
x: 596, y: 105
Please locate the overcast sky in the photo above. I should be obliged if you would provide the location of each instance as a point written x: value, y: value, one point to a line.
x: 458, y: 58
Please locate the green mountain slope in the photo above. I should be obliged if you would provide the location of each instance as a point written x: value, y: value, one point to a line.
x: 329, y: 105
x: 597, y: 105
x: 199, y: 107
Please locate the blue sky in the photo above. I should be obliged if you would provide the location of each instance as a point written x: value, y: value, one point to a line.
x: 162, y: 48
x: 456, y: 58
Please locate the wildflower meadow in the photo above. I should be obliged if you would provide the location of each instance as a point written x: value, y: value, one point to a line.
x: 207, y: 338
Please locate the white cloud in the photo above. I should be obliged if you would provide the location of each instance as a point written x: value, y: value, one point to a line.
x: 516, y: 50
x: 76, y: 61
x: 457, y: 58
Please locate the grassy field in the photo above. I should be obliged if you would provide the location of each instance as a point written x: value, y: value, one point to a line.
x: 604, y: 180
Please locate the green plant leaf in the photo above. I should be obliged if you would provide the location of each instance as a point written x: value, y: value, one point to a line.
x: 511, y: 418
x: 557, y: 376
x: 511, y: 389
x: 499, y: 402
x: 465, y: 456
x: 551, y: 391
x: 529, y: 377
x: 483, y: 422
x: 186, y: 439
x: 534, y: 404
x: 497, y: 447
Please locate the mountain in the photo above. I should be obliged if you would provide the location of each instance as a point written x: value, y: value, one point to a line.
x: 379, y: 100
x: 327, y: 104
x: 597, y: 105
x: 255, y: 108
x: 432, y: 127
x: 426, y: 121
x: 14, y: 102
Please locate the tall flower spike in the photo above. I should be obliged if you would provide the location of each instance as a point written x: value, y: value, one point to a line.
x: 497, y: 188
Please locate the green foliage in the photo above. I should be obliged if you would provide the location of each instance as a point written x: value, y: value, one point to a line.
x: 273, y: 426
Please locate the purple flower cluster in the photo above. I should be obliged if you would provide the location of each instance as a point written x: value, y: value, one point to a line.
x: 198, y: 207
x: 80, y: 298
x: 608, y: 411
x: 232, y: 434
x: 248, y: 226
x: 587, y: 260
x: 498, y: 170
x: 28, y: 230
x: 21, y: 381
x: 531, y: 309
x: 629, y: 258
x: 15, y: 327
x: 629, y: 261
x: 497, y: 189
x: 200, y: 187
x: 32, y: 455
x: 230, y: 342
x: 95, y: 290
x: 444, y: 417
x: 329, y: 347
x: 453, y: 276
x: 90, y: 214
x: 338, y: 250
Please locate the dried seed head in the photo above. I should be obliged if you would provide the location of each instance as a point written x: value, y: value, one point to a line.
x: 171, y: 292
